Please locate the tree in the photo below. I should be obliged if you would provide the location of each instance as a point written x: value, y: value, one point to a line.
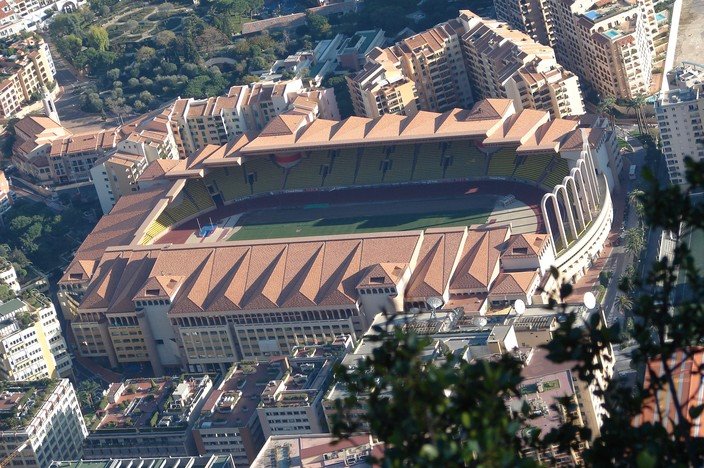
x: 635, y: 240
x: 165, y: 37
x: 97, y: 38
x: 624, y: 302
x: 318, y: 25
x: 635, y: 199
x: 607, y: 107
x: 70, y: 46
x: 145, y: 53
x: 6, y: 293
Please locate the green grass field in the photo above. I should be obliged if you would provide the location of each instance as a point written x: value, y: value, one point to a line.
x: 264, y: 225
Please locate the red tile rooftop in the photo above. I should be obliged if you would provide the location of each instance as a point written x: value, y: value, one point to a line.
x: 136, y: 402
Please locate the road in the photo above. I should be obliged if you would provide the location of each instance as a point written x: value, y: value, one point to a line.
x: 72, y: 84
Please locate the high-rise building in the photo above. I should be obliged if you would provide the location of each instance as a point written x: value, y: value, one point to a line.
x: 40, y: 422
x: 609, y: 44
x: 680, y: 111
x: 456, y: 62
x: 31, y: 344
x: 25, y: 74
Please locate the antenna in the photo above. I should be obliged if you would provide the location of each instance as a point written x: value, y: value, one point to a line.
x: 520, y: 307
x: 480, y: 321
x: 435, y: 303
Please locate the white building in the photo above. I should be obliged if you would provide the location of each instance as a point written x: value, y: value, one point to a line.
x: 31, y: 344
x: 50, y: 423
x: 680, y: 111
x: 8, y: 275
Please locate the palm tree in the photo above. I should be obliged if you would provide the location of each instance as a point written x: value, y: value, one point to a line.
x: 635, y: 240
x: 639, y: 102
x: 635, y: 198
x: 624, y: 302
x: 606, y: 107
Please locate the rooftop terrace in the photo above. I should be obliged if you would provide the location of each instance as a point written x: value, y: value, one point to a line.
x: 20, y: 401
x: 151, y: 404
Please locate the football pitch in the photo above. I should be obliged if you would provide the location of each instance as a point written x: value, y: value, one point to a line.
x: 325, y: 220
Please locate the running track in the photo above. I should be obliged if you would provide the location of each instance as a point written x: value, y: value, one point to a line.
x: 527, y: 194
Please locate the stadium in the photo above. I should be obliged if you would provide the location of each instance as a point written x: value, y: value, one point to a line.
x: 310, y: 228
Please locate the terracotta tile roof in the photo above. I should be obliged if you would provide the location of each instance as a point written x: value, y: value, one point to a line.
x: 515, y: 282
x: 157, y: 169
x: 248, y: 276
x: 525, y: 245
x: 480, y: 259
x: 85, y: 142
x: 34, y: 124
x: 436, y: 262
x: 116, y: 228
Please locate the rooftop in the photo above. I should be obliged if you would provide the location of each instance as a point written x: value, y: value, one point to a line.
x: 156, y: 404
x: 207, y: 461
x: 235, y: 401
x: 20, y: 401
x: 317, y: 451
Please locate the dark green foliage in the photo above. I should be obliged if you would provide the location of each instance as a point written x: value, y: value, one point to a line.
x: 451, y: 413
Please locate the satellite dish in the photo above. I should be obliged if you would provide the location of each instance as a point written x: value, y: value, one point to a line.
x: 435, y: 302
x: 414, y: 310
x: 519, y: 306
x: 480, y: 321
x: 589, y: 300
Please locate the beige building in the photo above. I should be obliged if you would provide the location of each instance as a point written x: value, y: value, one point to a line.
x: 117, y: 174
x: 609, y: 44
x: 464, y: 59
x: 219, y: 120
x: 26, y: 74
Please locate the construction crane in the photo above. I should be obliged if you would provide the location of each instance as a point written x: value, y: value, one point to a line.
x: 8, y: 459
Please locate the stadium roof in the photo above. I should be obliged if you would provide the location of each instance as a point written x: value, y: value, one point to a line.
x: 291, y: 273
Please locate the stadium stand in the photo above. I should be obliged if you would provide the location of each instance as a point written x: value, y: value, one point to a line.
x: 342, y: 168
x: 370, y: 170
x: 197, y: 193
x: 182, y: 210
x: 428, y: 164
x: 263, y: 175
x: 230, y: 181
x: 532, y: 166
x: 556, y: 172
x: 466, y: 160
x: 307, y: 172
x: 502, y: 163
x: 401, y: 164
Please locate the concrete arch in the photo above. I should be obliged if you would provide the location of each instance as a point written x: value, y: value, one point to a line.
x: 562, y: 189
x: 588, y: 207
x: 586, y: 193
x: 576, y: 203
x: 558, y: 219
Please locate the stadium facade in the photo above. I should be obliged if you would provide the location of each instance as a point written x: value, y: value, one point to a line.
x: 135, y: 295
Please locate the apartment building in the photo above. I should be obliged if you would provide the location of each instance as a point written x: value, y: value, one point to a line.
x: 456, y: 62
x: 382, y: 88
x: 40, y: 422
x: 117, y: 173
x: 8, y: 275
x: 680, y: 111
x: 148, y: 418
x: 608, y: 44
x: 212, y: 461
x: 218, y: 120
x: 31, y: 344
x: 260, y: 399
x: 27, y: 74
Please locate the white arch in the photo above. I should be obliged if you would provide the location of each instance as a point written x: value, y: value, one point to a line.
x: 558, y: 217
x: 587, y: 194
x: 577, y: 202
x: 570, y: 216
